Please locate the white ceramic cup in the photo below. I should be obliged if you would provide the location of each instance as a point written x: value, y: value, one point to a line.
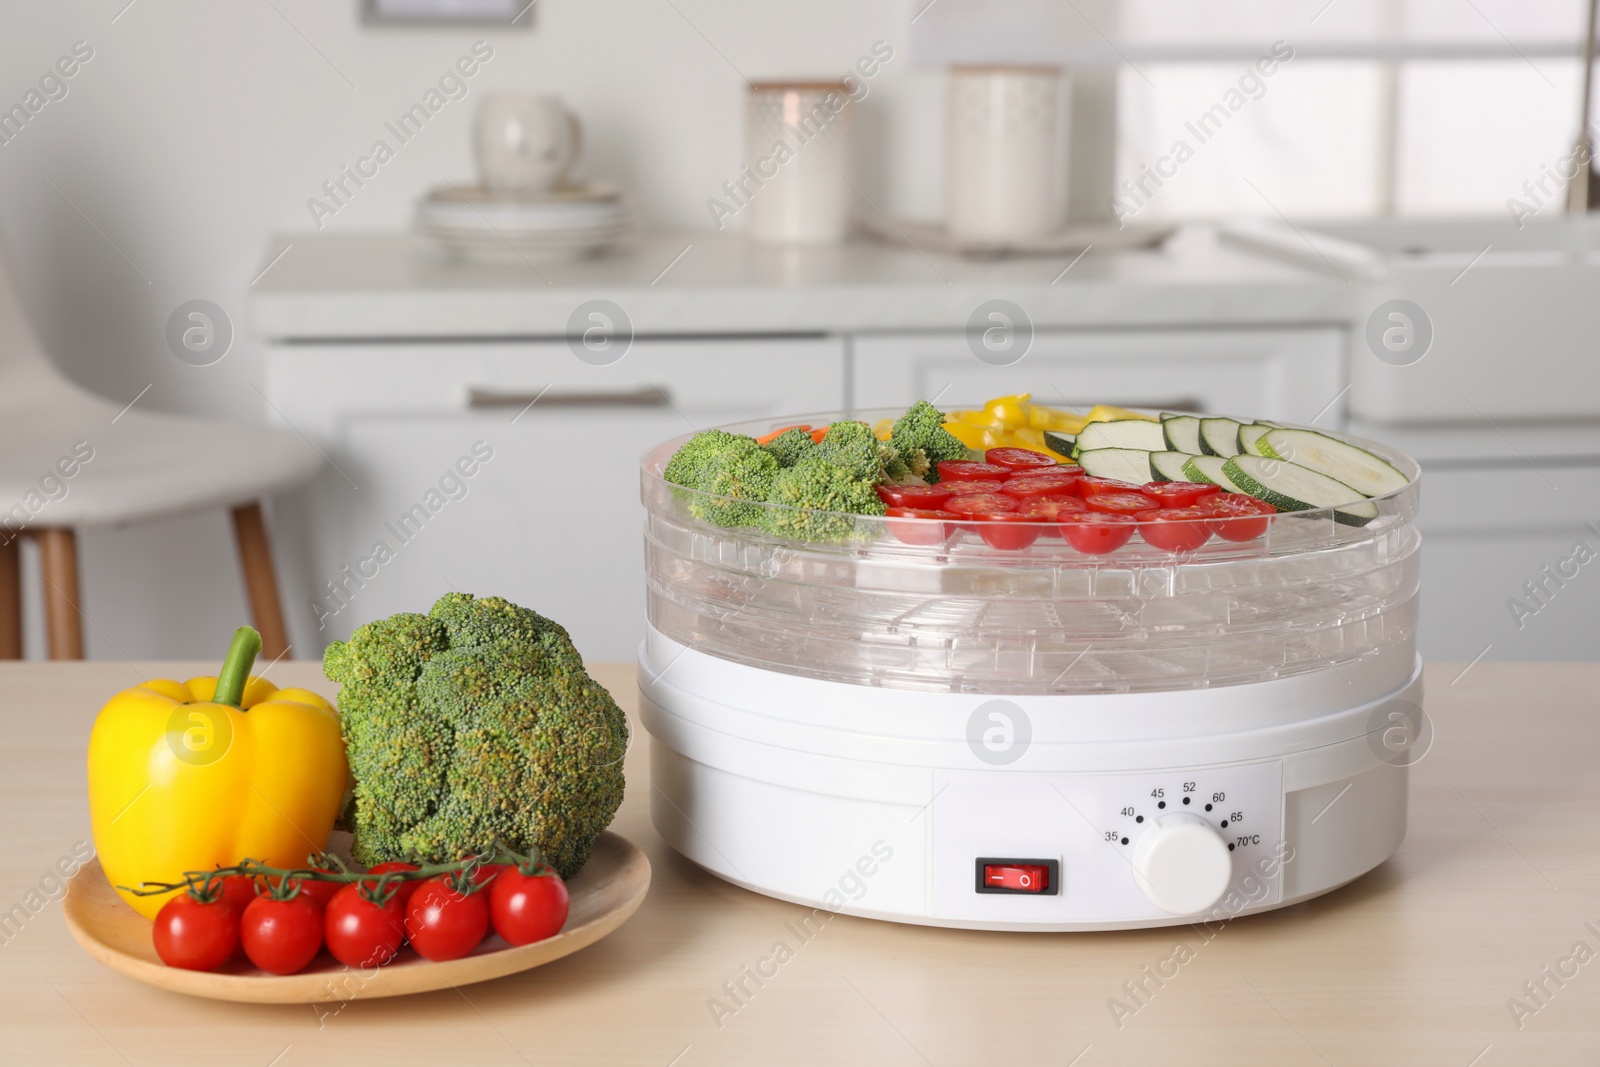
x: 525, y: 142
x: 1005, y: 152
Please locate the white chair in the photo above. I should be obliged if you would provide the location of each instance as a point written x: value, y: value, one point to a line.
x: 144, y: 465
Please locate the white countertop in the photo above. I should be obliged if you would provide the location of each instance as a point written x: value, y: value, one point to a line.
x: 403, y: 287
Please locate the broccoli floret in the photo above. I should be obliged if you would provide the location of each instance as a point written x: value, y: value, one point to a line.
x: 853, y: 446
x: 471, y: 726
x: 829, y: 492
x: 920, y: 436
x: 790, y: 446
x: 730, y: 467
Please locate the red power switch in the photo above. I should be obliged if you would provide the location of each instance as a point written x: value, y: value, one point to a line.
x: 1019, y: 878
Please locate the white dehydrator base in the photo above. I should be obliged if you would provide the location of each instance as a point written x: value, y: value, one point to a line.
x: 874, y: 803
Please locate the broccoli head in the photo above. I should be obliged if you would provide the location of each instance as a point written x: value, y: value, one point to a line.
x: 828, y: 494
x: 921, y: 438
x: 853, y: 446
x: 731, y: 468
x: 475, y: 725
x: 790, y: 446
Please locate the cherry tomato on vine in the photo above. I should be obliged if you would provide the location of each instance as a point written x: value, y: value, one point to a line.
x: 485, y: 875
x: 361, y: 933
x: 238, y: 890
x: 281, y: 936
x: 195, y: 934
x: 444, y: 923
x: 527, y: 907
x: 319, y: 891
x: 402, y: 890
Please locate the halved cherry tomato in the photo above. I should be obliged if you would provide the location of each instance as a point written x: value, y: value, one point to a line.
x: 360, y: 933
x: 1061, y: 485
x: 913, y: 496
x: 1121, y: 503
x: 970, y: 488
x: 195, y: 934
x: 1095, y: 533
x: 979, y: 505
x: 964, y: 470
x: 1049, y: 508
x: 1179, y: 494
x: 1236, y: 517
x: 1090, y: 485
x: 443, y: 923
x: 1060, y: 468
x: 924, y: 529
x: 1176, y: 529
x: 402, y: 890
x: 1009, y: 530
x: 281, y: 936
x: 525, y: 908
x: 1017, y: 458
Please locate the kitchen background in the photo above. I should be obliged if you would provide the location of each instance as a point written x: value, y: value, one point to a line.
x: 181, y: 159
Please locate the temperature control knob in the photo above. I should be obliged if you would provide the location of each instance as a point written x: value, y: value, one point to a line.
x: 1181, y: 863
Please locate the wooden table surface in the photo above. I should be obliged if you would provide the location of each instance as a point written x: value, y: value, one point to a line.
x: 1420, y: 962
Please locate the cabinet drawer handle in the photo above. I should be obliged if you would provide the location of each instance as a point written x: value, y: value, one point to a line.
x: 644, y: 396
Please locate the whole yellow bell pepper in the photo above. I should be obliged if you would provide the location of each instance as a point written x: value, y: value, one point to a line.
x: 190, y: 775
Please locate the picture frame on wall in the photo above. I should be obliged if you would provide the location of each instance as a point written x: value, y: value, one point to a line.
x: 516, y: 13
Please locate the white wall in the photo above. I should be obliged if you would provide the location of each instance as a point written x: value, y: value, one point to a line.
x: 199, y: 129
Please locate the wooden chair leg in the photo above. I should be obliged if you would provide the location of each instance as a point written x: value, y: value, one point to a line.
x: 260, y: 581
x: 10, y: 596
x: 58, y: 559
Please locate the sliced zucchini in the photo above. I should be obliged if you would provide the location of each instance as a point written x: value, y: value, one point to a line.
x: 1142, y: 434
x: 1290, y: 487
x: 1059, y: 443
x: 1182, y: 433
x: 1362, y: 471
x: 1219, y: 437
x: 1123, y: 464
x: 1249, y: 434
x: 1208, y: 470
x: 1168, y: 466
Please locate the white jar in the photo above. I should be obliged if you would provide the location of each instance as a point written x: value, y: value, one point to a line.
x: 795, y: 186
x: 1005, y: 152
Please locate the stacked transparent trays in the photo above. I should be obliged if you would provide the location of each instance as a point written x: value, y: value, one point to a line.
x: 1309, y: 594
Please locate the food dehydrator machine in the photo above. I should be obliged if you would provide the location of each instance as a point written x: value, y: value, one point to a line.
x: 953, y: 734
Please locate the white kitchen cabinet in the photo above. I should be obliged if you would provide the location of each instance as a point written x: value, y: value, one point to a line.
x: 1291, y: 374
x: 551, y: 519
x: 1497, y: 537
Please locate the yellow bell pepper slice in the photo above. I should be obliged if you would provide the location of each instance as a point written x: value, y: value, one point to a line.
x: 188, y: 776
x: 972, y: 436
x: 1010, y: 411
x: 882, y: 429
x: 1110, y: 413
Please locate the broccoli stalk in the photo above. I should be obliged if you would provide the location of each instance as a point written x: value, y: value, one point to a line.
x: 920, y: 436
x: 473, y: 726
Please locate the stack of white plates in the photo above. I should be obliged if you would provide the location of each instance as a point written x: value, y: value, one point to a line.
x: 565, y: 223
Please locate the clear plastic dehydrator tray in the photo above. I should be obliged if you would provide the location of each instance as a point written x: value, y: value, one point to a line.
x: 957, y: 615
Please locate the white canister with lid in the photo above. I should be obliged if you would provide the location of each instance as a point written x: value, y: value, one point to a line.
x: 795, y: 185
x: 1005, y: 152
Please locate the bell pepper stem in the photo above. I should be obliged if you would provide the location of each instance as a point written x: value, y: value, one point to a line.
x: 236, y: 666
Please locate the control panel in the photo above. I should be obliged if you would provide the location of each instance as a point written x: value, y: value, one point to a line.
x: 1107, y: 847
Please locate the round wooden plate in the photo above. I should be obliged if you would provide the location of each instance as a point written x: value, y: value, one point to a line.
x: 608, y: 889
